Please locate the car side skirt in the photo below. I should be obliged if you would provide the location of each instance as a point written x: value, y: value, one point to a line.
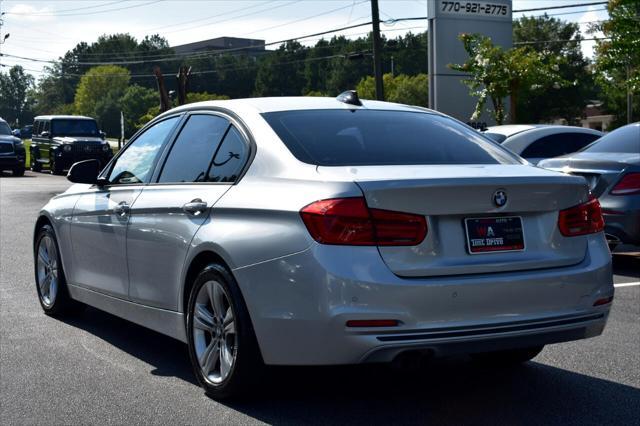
x: 169, y: 323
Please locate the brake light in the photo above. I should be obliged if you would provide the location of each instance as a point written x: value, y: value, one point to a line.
x: 629, y: 184
x: 349, y: 221
x: 581, y: 220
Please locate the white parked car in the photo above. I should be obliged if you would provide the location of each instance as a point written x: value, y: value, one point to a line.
x: 536, y: 142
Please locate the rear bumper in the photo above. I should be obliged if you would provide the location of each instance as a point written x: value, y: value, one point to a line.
x: 492, y: 338
x: 299, y: 305
x: 623, y: 227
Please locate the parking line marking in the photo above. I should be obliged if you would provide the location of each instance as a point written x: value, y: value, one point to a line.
x: 627, y: 284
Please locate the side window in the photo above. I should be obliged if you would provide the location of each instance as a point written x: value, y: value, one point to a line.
x: 230, y: 158
x: 135, y: 164
x: 36, y: 128
x: 46, y: 127
x: 191, y: 154
x: 558, y: 144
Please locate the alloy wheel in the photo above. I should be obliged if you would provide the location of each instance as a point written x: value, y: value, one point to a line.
x: 214, y: 332
x: 47, y: 270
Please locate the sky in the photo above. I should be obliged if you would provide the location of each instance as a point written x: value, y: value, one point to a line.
x: 46, y: 29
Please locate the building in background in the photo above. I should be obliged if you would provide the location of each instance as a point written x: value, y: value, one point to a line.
x: 248, y: 46
x: 593, y: 117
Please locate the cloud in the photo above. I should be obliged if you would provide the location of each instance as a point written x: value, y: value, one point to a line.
x: 26, y: 12
x: 587, y: 19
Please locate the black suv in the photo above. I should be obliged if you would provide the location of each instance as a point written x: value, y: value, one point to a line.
x: 61, y: 140
x: 12, y: 154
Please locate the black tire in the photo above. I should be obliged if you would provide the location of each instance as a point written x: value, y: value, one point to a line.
x: 18, y: 171
x: 508, y: 358
x: 247, y: 366
x: 62, y: 304
x: 36, y: 166
x: 55, y: 168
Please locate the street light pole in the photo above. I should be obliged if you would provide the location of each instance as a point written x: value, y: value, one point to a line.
x: 377, y: 60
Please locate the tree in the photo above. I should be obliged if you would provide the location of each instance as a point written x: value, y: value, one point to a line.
x: 281, y: 73
x: 204, y: 96
x: 136, y: 102
x: 410, y: 90
x: 15, y: 102
x: 98, y: 95
x: 548, y: 36
x: 617, y: 59
x: 496, y: 73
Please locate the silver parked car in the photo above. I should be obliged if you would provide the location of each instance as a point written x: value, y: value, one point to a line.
x: 536, y: 142
x: 320, y: 231
x: 611, y: 166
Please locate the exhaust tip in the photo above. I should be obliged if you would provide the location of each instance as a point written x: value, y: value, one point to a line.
x: 412, y: 359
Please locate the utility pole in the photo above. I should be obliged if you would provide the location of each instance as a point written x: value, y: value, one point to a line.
x: 377, y: 60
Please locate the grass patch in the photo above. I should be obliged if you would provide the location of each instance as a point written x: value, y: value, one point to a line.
x: 27, y: 144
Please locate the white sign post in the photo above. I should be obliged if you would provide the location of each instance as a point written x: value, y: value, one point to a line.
x: 447, y: 20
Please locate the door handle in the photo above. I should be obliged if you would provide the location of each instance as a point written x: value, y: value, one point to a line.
x: 195, y: 207
x: 122, y: 209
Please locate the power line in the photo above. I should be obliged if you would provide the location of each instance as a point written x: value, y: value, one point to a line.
x: 561, y: 41
x: 92, y: 13
x: 229, y: 19
x: 303, y: 19
x: 572, y: 13
x: 566, y: 6
x: 65, y: 10
x: 206, y: 54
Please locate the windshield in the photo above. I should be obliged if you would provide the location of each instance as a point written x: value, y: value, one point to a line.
x: 375, y: 137
x: 625, y: 139
x: 74, y: 128
x: 4, y: 128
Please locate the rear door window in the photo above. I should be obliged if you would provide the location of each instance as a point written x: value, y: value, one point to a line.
x: 192, y: 153
x: 347, y: 137
x: 558, y: 144
x: 230, y: 158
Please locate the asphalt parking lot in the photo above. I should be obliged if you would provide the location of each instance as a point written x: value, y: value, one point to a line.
x: 96, y: 368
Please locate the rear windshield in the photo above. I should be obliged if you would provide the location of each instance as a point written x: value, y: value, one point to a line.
x: 373, y: 137
x: 625, y: 139
x: 4, y: 128
x: 74, y: 128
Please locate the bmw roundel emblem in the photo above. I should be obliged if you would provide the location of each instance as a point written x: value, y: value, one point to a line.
x: 500, y: 198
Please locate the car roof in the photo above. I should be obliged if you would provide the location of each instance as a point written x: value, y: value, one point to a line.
x: 511, y: 130
x: 63, y: 117
x: 296, y: 103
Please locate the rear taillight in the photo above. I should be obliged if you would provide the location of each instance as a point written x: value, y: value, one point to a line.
x: 581, y: 220
x: 349, y: 221
x: 629, y: 184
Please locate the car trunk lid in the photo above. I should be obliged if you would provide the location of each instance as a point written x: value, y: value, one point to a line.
x: 448, y: 195
x: 601, y: 170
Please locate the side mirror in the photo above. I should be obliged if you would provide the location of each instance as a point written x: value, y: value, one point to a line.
x: 84, y: 172
x: 103, y: 135
x: 45, y: 134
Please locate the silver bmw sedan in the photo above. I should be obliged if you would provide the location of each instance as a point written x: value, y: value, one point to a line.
x: 322, y: 231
